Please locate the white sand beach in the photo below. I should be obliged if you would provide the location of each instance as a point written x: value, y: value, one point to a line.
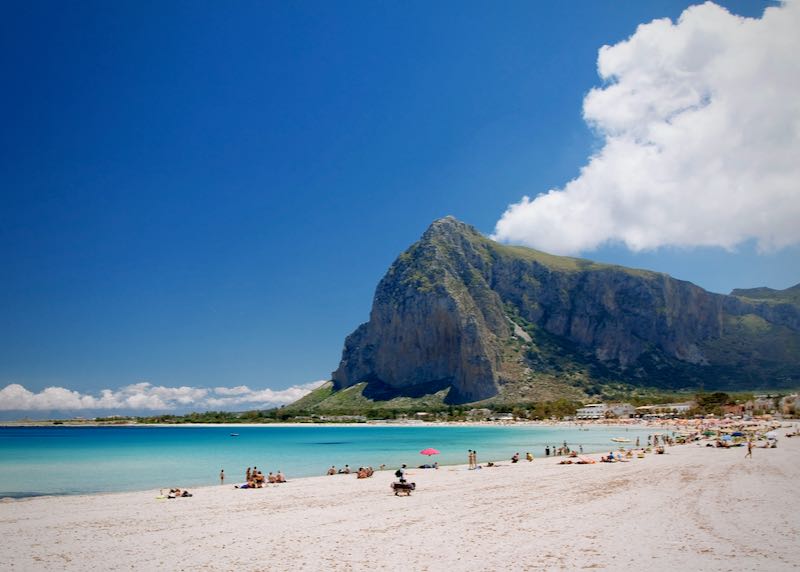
x: 693, y: 508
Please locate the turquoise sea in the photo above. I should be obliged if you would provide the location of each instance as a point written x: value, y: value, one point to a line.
x: 75, y: 460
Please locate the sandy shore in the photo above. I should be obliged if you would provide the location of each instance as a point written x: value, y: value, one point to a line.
x: 694, y: 508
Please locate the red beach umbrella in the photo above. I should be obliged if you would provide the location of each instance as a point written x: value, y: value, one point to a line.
x: 429, y: 452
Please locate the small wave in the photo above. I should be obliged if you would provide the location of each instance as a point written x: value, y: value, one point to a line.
x: 331, y: 443
x: 24, y: 495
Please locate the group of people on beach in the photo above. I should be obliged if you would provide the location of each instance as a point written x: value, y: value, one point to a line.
x: 563, y: 450
x: 361, y: 473
x: 515, y: 457
x: 255, y: 479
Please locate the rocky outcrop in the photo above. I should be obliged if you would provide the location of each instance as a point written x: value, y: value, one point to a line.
x: 444, y: 315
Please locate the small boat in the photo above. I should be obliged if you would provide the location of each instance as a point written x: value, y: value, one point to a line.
x: 620, y: 440
x: 234, y: 434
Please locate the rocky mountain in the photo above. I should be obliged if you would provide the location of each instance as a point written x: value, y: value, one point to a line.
x: 472, y: 319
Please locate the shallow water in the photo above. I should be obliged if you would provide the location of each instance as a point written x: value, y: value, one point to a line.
x: 74, y: 460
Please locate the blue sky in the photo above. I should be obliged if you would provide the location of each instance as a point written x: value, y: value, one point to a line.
x: 194, y: 195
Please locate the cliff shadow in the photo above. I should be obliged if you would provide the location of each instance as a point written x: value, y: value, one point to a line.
x: 380, y: 391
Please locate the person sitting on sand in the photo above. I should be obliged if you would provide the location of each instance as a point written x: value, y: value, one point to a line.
x: 279, y: 478
x: 332, y: 470
x: 515, y: 458
x: 362, y: 473
x: 573, y: 454
x: 370, y: 471
x: 345, y: 470
x: 271, y: 478
x: 528, y: 457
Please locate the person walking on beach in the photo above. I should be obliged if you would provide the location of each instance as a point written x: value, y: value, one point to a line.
x: 749, y: 449
x: 222, y: 477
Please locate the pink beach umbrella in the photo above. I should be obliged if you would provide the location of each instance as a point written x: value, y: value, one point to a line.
x: 429, y: 451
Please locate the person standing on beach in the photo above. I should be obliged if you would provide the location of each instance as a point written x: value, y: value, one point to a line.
x: 222, y: 477
x: 247, y: 475
x: 547, y: 451
x: 749, y: 449
x: 469, y: 458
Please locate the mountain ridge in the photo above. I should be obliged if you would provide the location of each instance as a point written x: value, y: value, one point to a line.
x: 460, y: 313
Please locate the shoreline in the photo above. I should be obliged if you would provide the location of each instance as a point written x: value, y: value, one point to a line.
x: 693, y: 507
x: 392, y: 423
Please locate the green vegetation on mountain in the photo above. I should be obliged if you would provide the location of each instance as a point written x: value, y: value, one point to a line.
x: 787, y: 296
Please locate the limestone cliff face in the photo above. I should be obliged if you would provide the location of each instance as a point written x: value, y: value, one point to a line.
x: 430, y: 323
x: 446, y: 312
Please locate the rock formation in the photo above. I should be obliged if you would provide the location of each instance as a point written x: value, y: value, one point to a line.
x: 459, y: 311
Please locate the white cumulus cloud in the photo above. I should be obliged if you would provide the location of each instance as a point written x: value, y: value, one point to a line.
x: 700, y: 124
x: 147, y: 397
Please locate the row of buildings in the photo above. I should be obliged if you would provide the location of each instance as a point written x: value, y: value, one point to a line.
x: 759, y: 405
x: 626, y: 410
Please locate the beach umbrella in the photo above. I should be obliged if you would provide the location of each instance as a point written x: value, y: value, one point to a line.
x: 429, y: 451
x: 708, y: 433
x: 726, y: 437
x: 737, y: 434
x: 772, y: 435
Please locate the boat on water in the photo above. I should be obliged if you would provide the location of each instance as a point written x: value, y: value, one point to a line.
x: 620, y: 440
x: 234, y: 434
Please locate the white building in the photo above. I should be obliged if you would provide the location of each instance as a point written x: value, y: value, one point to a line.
x: 664, y: 410
x: 592, y: 411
